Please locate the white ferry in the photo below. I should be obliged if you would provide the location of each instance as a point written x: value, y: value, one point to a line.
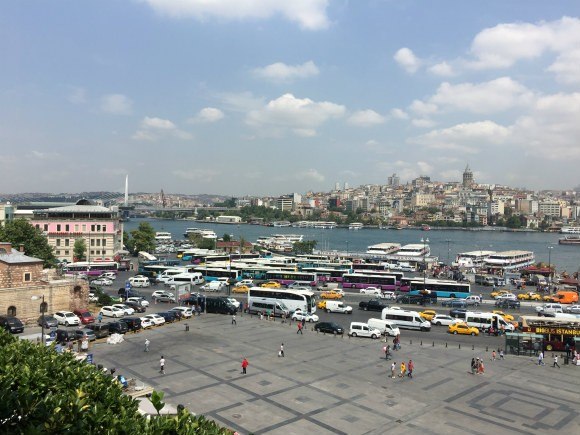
x: 570, y: 230
x: 281, y: 224
x: 383, y: 248
x: 355, y: 226
x: 162, y: 237
x: 509, y: 260
x: 325, y: 225
x: 471, y: 259
x: 415, y: 250
x: 189, y: 231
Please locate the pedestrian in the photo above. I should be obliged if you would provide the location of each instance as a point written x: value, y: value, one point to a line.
x: 281, y: 353
x: 541, y: 358
x: 393, y: 368
x: 162, y: 365
x: 234, y: 319
x: 403, y: 370
x: 473, y: 366
x: 244, y: 365
x: 241, y: 308
x: 261, y: 315
x: 501, y: 354
x: 303, y: 321
x: 493, y: 355
x: 567, y: 348
x: 147, y: 342
x: 85, y: 344
x: 480, y: 368
x: 283, y: 317
x: 410, y: 368
x: 299, y: 329
x: 556, y: 362
x: 387, y: 350
x: 100, y: 317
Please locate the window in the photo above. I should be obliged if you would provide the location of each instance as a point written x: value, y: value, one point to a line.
x: 66, y: 242
x: 37, y: 226
x: 45, y: 227
x: 76, y: 228
x: 67, y: 228
x: 104, y: 242
x: 57, y: 242
x: 92, y: 252
x: 93, y: 228
x: 98, y: 228
x: 104, y: 228
x: 66, y: 253
x: 84, y: 228
x: 11, y: 311
x: 57, y: 252
x: 27, y: 276
x: 58, y: 227
x: 92, y: 242
x: 98, y: 242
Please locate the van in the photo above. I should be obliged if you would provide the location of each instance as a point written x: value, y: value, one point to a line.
x: 219, y: 305
x: 101, y: 330
x: 484, y: 280
x: 359, y: 329
x: 213, y: 286
x: 337, y: 307
x: 565, y: 297
x: 385, y: 326
x: 139, y: 281
x: 258, y: 306
x: 406, y: 319
x: 484, y: 321
x: 193, y: 278
x: 548, y: 309
x: 166, y: 275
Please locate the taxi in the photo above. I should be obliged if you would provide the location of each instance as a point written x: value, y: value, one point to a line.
x: 331, y: 294
x: 428, y: 314
x: 241, y: 289
x: 462, y: 328
x: 321, y: 305
x: 497, y: 293
x: 529, y: 296
x: 548, y: 298
x: 271, y: 284
x: 506, y: 317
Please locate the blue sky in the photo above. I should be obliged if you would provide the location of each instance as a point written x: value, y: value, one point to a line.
x: 270, y: 96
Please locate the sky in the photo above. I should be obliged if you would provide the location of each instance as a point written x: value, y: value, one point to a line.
x: 266, y: 97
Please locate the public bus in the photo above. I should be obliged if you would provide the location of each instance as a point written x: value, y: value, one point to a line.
x: 557, y: 331
x: 286, y: 277
x: 361, y: 267
x: 362, y: 280
x: 441, y: 288
x: 326, y: 274
x: 91, y: 268
x: 304, y: 300
x: 213, y: 273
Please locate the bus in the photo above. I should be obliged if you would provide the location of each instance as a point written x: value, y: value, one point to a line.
x: 361, y: 280
x: 326, y: 274
x: 213, y: 273
x: 441, y: 288
x: 293, y: 300
x: 91, y: 268
x: 557, y: 331
x: 289, y: 276
x: 361, y: 267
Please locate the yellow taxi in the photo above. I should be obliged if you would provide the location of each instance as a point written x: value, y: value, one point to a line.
x: 506, y: 317
x: 462, y: 328
x: 529, y: 296
x: 548, y: 298
x: 428, y: 314
x: 331, y: 294
x: 497, y: 293
x: 271, y: 284
x: 241, y: 289
x: 321, y: 305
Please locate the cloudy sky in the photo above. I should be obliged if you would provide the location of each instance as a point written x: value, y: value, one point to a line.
x: 275, y: 96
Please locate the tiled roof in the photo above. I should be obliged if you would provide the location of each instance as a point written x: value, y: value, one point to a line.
x: 17, y: 257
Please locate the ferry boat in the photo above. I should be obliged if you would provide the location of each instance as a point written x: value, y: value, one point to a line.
x: 189, y: 231
x: 281, y: 224
x: 569, y: 240
x: 325, y: 225
x: 570, y: 230
x: 384, y: 248
x: 355, y: 226
x: 162, y: 237
x: 205, y: 234
x: 509, y: 260
x: 415, y: 250
x: 471, y: 259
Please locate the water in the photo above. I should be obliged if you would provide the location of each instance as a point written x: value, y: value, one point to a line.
x: 444, y: 243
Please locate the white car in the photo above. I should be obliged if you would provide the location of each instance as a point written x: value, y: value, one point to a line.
x: 234, y: 302
x: 506, y: 297
x: 155, y: 318
x: 139, y: 281
x: 102, y: 281
x: 110, y: 275
x: 110, y: 311
x: 443, y: 319
x: 248, y: 282
x: 370, y: 291
x: 388, y: 295
x: 146, y: 322
x: 67, y: 318
x: 574, y: 309
x: 158, y: 293
x: 126, y: 309
x: 185, y: 312
x: 93, y: 297
x: 308, y: 317
x: 138, y: 300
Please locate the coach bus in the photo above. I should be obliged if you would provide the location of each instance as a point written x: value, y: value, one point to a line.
x: 91, y: 268
x: 293, y: 300
x: 325, y: 274
x: 287, y: 277
x: 214, y: 273
x: 362, y: 280
x: 441, y: 288
x: 557, y: 331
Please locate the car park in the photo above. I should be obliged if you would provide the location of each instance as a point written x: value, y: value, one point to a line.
x: 101, y: 330
x: 359, y: 329
x: 139, y: 300
x: 454, y: 303
x: 127, y: 310
x: 462, y: 328
x: 133, y: 323
x: 11, y: 324
x: 111, y: 311
x: 85, y: 315
x: 155, y: 318
x: 102, y: 281
x: 67, y: 318
x: 184, y: 311
x: 146, y: 322
x: 137, y: 307
x: 329, y: 328
x: 307, y: 317
x: 442, y: 320
x: 49, y: 321
x: 370, y: 291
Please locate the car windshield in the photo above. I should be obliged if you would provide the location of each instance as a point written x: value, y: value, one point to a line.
x: 69, y: 315
x: 86, y: 314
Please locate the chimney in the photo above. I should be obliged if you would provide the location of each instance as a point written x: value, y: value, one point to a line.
x: 21, y: 248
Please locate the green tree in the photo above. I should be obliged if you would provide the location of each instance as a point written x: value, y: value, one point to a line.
x: 305, y: 247
x: 226, y: 237
x: 80, y: 249
x: 20, y: 232
x: 143, y: 238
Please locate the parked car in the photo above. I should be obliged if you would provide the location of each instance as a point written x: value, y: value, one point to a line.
x: 184, y: 312
x: 85, y: 315
x: 49, y: 322
x: 169, y: 316
x: 118, y: 327
x: 133, y: 323
x: 139, y: 281
x: 93, y: 297
x: 102, y: 281
x: 164, y: 297
x: 11, y: 324
x: 454, y: 303
x: 139, y: 300
x: 110, y: 311
x: 67, y: 318
x: 136, y: 306
x: 146, y: 322
x: 155, y: 318
x: 360, y: 329
x: 101, y: 330
x: 80, y: 334
x: 234, y: 302
x: 124, y: 293
x: 110, y: 275
x: 127, y: 310
x: 329, y: 328
x: 370, y: 291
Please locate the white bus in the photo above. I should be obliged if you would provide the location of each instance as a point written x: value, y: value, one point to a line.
x: 186, y: 278
x: 484, y: 321
x: 406, y: 319
x: 293, y: 300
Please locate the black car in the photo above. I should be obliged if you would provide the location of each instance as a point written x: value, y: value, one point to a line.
x: 136, y: 306
x: 64, y: 335
x: 124, y: 293
x: 192, y: 300
x: 507, y: 304
x: 49, y: 322
x: 11, y: 324
x: 133, y: 323
x: 101, y: 330
x: 454, y: 303
x: 169, y: 316
x: 458, y: 313
x: 417, y: 299
x: 329, y: 327
x: 118, y: 327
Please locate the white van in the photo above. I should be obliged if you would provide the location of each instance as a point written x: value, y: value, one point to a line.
x: 274, y: 308
x: 406, y: 319
x: 186, y: 278
x: 166, y: 275
x: 484, y: 321
x: 214, y: 286
x: 359, y: 329
x: 139, y: 281
x: 385, y: 326
x: 337, y: 307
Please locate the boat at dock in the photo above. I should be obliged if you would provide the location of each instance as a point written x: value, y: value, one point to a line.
x: 569, y: 240
x: 355, y: 226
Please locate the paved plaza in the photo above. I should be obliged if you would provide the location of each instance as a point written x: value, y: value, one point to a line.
x: 328, y: 384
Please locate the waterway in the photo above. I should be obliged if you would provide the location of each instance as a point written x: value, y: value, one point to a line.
x: 444, y: 243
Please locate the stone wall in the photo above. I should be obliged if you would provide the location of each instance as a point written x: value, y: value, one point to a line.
x: 13, y: 274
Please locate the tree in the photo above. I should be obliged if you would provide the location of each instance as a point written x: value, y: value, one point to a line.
x: 80, y: 249
x: 143, y: 238
x: 21, y: 232
x: 305, y: 247
x: 226, y: 237
x: 87, y: 400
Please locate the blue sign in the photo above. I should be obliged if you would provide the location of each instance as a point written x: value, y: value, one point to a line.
x: 90, y: 358
x: 127, y: 285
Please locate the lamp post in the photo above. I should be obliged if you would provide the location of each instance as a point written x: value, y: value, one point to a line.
x: 424, y: 241
x: 448, y: 252
x: 550, y: 263
x: 42, y: 310
x: 346, y: 248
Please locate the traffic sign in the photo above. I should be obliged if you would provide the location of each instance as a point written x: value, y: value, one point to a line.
x: 127, y: 285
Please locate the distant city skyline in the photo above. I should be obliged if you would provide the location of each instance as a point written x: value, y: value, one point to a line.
x: 267, y: 97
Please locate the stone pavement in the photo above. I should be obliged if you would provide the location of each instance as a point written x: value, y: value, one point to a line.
x: 328, y: 384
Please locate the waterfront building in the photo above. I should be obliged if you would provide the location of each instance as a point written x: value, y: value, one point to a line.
x: 99, y: 226
x: 550, y: 208
x: 224, y: 219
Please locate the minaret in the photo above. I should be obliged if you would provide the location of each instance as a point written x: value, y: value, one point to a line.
x: 126, y: 190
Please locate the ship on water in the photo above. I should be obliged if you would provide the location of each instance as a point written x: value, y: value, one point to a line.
x: 569, y: 240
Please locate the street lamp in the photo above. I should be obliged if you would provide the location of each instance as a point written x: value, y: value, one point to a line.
x: 448, y: 252
x: 424, y: 241
x: 550, y: 263
x: 42, y: 310
x: 346, y: 247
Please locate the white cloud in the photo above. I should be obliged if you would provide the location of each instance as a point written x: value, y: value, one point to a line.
x: 423, y: 108
x: 157, y: 123
x: 407, y: 60
x: 309, y: 14
x: 44, y: 155
x: 451, y: 175
x: 153, y: 129
x: 423, y: 123
x: 280, y: 72
x: 240, y: 102
x: 424, y: 167
x: 208, y: 115
x: 116, y: 104
x: 77, y: 95
x: 397, y: 113
x: 442, y: 69
x: 311, y: 175
x: 567, y: 68
x: 294, y: 113
x: 366, y: 118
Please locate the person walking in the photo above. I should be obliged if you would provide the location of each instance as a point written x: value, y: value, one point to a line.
x: 541, y: 358
x: 567, y: 348
x: 299, y: 331
x: 403, y: 370
x: 147, y: 342
x: 241, y: 308
x: 410, y: 368
x: 234, y: 319
x: 387, y: 350
x: 480, y: 367
x: 162, y: 365
x: 244, y: 365
x: 493, y: 355
x: 281, y: 353
x: 473, y: 366
x: 100, y: 317
x: 393, y: 368
x: 303, y: 321
x: 501, y: 354
x: 556, y: 362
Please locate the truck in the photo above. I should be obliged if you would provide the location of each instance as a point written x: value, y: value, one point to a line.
x: 372, y: 305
